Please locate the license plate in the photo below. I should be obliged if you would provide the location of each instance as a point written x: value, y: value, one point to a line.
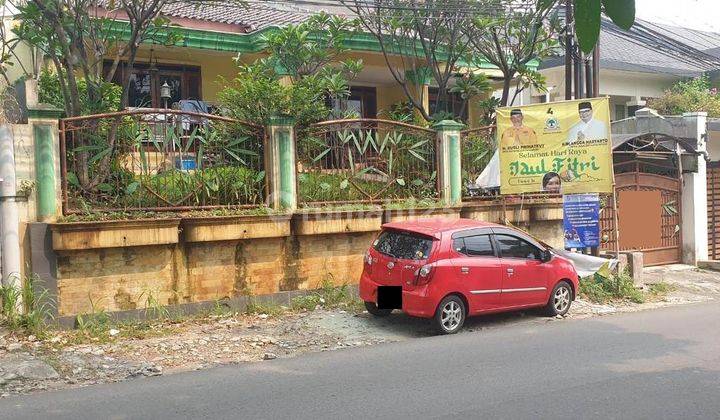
x: 389, y: 297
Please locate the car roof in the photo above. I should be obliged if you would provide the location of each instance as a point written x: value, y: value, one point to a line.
x: 436, y: 226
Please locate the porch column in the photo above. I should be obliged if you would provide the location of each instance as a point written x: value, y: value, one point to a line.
x: 44, y: 120
x: 420, y: 78
x: 694, y: 225
x: 280, y: 166
x: 285, y: 76
x: 448, y: 152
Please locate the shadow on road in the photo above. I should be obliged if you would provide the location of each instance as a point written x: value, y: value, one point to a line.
x: 399, y: 326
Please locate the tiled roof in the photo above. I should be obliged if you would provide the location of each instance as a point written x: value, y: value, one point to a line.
x: 701, y: 40
x: 253, y: 16
x: 656, y: 52
x: 250, y: 17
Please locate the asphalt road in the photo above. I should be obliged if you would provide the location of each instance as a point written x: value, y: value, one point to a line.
x: 655, y: 364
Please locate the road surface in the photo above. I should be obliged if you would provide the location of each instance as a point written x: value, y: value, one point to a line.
x: 655, y: 364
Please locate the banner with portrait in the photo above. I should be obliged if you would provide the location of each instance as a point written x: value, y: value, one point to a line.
x: 557, y: 147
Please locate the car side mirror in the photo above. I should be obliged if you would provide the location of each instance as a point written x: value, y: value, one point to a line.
x: 545, y: 256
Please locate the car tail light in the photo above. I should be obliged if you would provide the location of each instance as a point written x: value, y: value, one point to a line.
x: 368, y: 258
x: 424, y: 275
x: 369, y: 262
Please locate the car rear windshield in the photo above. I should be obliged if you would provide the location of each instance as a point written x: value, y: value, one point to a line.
x: 404, y: 245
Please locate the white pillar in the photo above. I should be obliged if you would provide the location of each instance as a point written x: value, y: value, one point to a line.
x: 9, y: 225
x: 694, y: 196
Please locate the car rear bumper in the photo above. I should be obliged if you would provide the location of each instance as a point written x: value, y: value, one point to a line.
x: 415, y: 302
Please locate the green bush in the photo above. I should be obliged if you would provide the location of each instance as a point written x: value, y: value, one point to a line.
x: 695, y: 95
x: 317, y: 187
x: 600, y: 289
x: 222, y: 185
x: 50, y: 92
x: 404, y: 112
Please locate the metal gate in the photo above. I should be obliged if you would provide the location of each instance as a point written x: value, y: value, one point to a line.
x: 665, y: 243
x: 713, y: 210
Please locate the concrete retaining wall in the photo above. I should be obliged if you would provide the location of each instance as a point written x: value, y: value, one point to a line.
x: 112, y: 277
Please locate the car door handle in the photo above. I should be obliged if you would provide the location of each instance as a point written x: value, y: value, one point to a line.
x: 464, y: 270
x: 510, y: 271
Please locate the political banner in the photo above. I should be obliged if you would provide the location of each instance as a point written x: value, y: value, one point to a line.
x: 581, y: 220
x: 557, y: 147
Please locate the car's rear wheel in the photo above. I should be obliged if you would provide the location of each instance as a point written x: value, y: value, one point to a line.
x: 374, y: 310
x: 450, y: 315
x: 560, y: 299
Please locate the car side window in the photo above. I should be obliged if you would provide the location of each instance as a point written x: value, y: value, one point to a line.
x: 475, y: 246
x: 514, y: 247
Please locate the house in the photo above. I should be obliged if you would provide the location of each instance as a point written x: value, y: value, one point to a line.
x: 639, y: 64
x: 215, y: 34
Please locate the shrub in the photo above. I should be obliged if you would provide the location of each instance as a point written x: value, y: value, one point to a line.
x: 694, y: 95
x: 50, y: 92
x: 221, y: 185
x: 601, y: 289
x: 318, y: 186
x: 404, y: 112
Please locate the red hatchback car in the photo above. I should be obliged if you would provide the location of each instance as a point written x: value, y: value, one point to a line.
x: 451, y: 269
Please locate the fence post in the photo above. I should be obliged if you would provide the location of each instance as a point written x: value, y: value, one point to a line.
x: 44, y: 120
x: 449, y: 161
x: 280, y: 165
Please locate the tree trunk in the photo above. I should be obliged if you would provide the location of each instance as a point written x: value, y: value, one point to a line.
x: 507, y: 80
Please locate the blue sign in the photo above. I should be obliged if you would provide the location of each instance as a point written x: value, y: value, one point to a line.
x: 185, y: 163
x: 581, y: 220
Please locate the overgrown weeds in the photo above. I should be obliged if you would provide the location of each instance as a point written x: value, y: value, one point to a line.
x: 661, y: 289
x: 25, y: 309
x: 600, y: 289
x: 328, y: 296
x: 255, y: 307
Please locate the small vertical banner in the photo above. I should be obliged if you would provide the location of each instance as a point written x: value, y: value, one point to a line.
x: 581, y: 220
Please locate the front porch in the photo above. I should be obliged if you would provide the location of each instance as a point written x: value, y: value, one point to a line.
x: 195, y: 73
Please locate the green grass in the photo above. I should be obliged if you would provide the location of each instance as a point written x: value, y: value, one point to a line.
x: 661, y: 289
x: 24, y: 309
x: 327, y: 297
x: 617, y: 287
x: 255, y: 307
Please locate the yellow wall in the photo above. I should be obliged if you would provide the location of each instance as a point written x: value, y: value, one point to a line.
x: 217, y: 66
x: 214, y: 66
x: 475, y: 112
x: 23, y: 53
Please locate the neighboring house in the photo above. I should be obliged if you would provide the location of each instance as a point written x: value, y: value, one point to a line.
x: 639, y: 64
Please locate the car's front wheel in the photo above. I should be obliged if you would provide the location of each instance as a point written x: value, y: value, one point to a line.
x: 450, y: 315
x: 372, y: 308
x: 560, y: 299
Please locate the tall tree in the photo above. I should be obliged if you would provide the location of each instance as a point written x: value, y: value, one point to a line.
x: 78, y: 36
x: 420, y: 41
x: 511, y: 36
